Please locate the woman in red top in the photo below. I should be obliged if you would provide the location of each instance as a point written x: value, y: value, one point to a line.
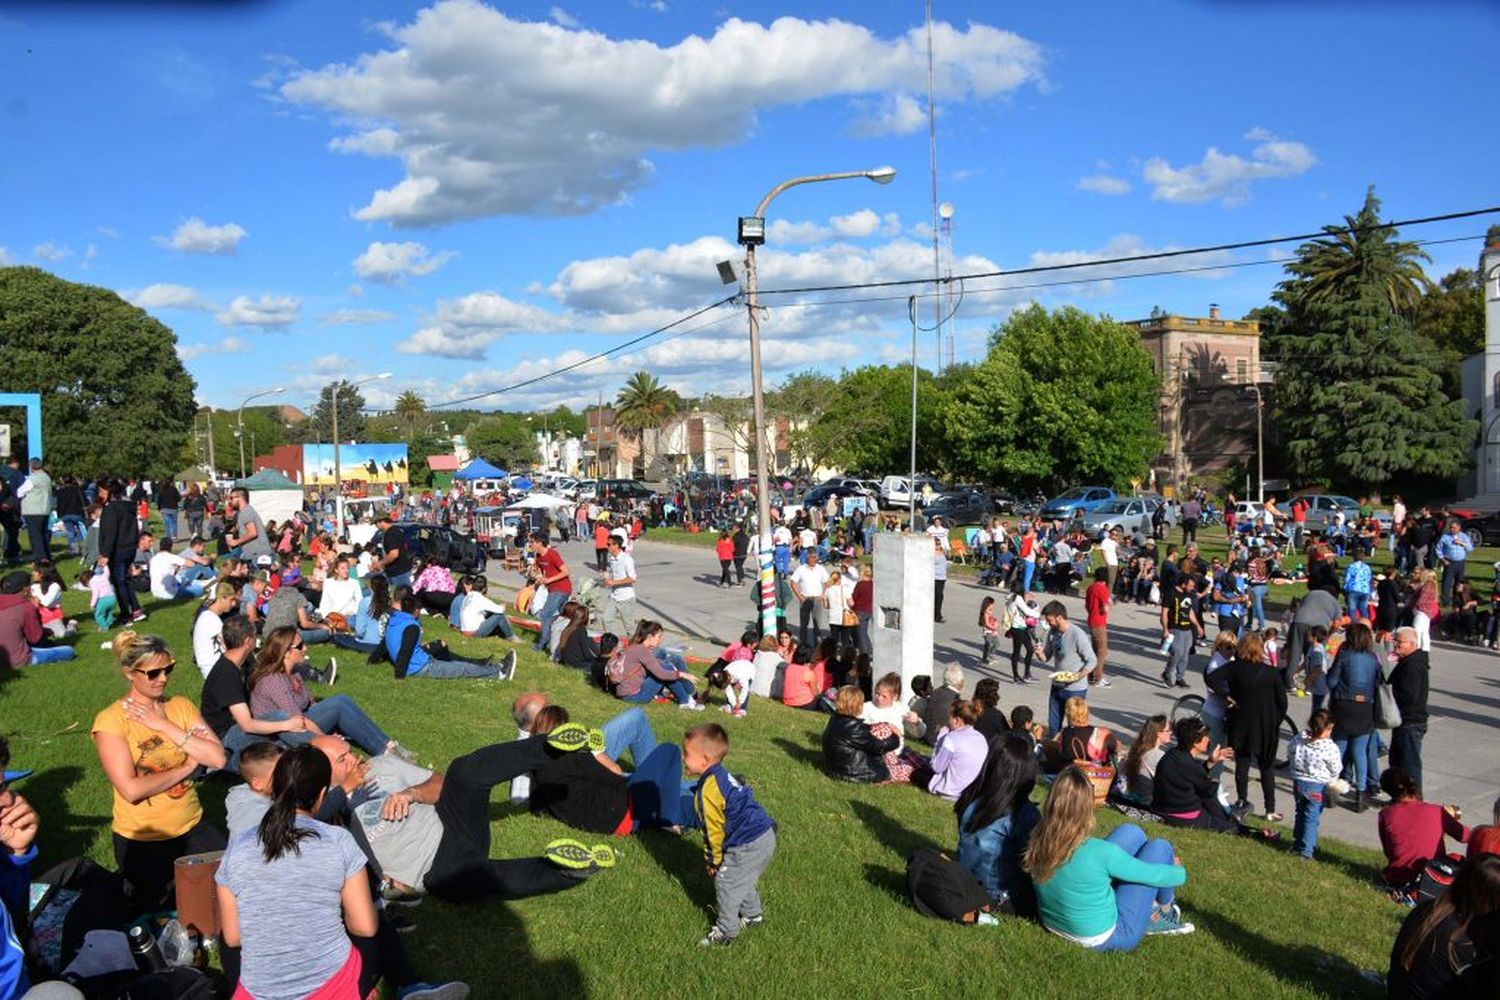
x: 803, y: 682
x: 862, y: 603
x: 724, y: 549
x: 1412, y: 831
x: 1486, y: 839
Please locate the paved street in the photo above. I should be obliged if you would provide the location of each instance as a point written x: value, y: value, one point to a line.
x: 1461, y: 755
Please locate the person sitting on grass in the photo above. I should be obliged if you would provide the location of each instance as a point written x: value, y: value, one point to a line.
x: 1412, y: 832
x: 1082, y: 740
x: 369, y: 618
x: 1103, y: 894
x: 22, y: 637
x: 587, y: 790
x: 856, y: 751
x: 643, y: 675
x: 102, y: 601
x: 1450, y: 946
x: 995, y: 821
x: 1486, y: 839
x: 150, y: 746
x: 957, y: 756
x: 804, y: 681
x: 301, y: 950
x: 739, y: 836
x: 246, y: 803
x: 1139, y: 766
x: 1183, y: 793
x: 479, y: 616
x: 410, y: 657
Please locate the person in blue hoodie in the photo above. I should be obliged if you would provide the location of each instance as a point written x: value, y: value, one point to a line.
x: 403, y: 643
x: 18, y: 825
x: 995, y: 820
x: 739, y: 836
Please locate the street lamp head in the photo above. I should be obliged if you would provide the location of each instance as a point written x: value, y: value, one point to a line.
x: 881, y: 175
x: 382, y: 375
x: 279, y: 388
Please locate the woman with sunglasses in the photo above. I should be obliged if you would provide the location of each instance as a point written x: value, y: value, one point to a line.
x: 150, y: 746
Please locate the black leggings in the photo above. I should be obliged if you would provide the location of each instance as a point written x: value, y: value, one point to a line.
x: 724, y: 567
x: 1020, y: 637
x: 435, y: 600
x: 1265, y: 759
x: 149, y: 866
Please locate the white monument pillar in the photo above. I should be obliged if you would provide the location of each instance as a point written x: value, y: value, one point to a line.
x: 901, y: 627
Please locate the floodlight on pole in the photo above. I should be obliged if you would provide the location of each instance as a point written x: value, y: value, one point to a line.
x: 751, y: 234
x: 239, y: 430
x: 338, y: 490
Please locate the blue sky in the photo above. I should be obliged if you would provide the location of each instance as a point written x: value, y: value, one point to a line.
x: 469, y: 194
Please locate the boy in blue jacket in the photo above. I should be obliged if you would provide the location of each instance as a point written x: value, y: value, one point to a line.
x: 739, y: 836
x: 18, y: 822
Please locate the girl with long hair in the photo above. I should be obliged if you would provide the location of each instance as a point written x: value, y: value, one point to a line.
x: 293, y: 890
x: 1103, y: 894
x: 1139, y: 766
x: 995, y: 821
x: 1450, y: 946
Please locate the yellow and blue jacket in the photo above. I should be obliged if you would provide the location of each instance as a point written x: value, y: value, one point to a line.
x: 729, y: 812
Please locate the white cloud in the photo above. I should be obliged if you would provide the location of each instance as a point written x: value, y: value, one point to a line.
x: 107, y: 232
x: 355, y: 292
x: 562, y: 17
x: 329, y: 364
x: 269, y: 311
x: 1104, y: 184
x: 782, y: 232
x: 166, y: 296
x: 5, y: 258
x: 90, y: 252
x: 466, y: 326
x: 491, y: 115
x: 393, y: 263
x: 1095, y: 281
x: 50, y: 252
x: 356, y: 317
x: 865, y: 222
x: 229, y: 345
x: 197, y: 236
x: 1227, y: 177
x: 897, y: 114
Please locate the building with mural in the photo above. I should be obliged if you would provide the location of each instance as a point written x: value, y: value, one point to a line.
x: 311, y: 465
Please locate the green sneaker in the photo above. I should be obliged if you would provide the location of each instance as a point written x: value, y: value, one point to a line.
x: 572, y: 736
x: 578, y: 856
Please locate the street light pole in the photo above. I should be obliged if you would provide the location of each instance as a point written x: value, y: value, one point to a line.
x: 1260, y: 446
x: 338, y: 490
x: 240, y: 428
x: 752, y: 233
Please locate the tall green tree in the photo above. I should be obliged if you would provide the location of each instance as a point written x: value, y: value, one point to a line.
x: 115, y: 395
x: 410, y: 410
x: 351, y: 413
x: 643, y: 405
x: 504, y: 439
x: 801, y: 400
x: 865, y: 424
x: 1451, y: 317
x: 1061, y: 397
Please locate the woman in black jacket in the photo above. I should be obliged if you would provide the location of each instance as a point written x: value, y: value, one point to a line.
x: 850, y: 750
x: 1257, y: 701
x: 118, y: 537
x: 1182, y: 793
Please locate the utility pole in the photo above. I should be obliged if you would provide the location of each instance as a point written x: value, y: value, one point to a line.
x: 212, y: 465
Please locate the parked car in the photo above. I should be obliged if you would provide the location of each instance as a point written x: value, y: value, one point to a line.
x: 1322, y: 509
x: 1483, y: 529
x: 960, y: 507
x: 623, y: 489
x: 1132, y: 515
x: 1078, y: 500
x: 819, y: 494
x: 460, y: 553
x: 896, y: 491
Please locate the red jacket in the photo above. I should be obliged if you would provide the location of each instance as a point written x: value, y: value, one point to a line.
x: 20, y: 627
x: 1096, y: 600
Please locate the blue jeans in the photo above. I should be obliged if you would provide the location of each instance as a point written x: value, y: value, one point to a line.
x: 455, y: 609
x: 651, y: 687
x: 1028, y: 570
x: 630, y: 730
x: 1361, y: 766
x: 553, y: 605
x: 337, y: 714
x: 1258, y: 604
x: 311, y: 636
x: 1406, y: 749
x: 449, y: 669
x: 1359, y: 605
x: 75, y: 530
x: 656, y: 794
x: 399, y: 580
x: 51, y: 654
x: 493, y: 624
x: 169, y: 523
x: 1055, y: 703
x: 1309, y: 798
x: 351, y: 642
x: 189, y: 574
x: 1134, y: 902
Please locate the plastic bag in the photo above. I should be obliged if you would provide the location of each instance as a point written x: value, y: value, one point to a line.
x: 176, y: 944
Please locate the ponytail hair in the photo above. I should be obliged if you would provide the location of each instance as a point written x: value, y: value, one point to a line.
x: 301, y: 777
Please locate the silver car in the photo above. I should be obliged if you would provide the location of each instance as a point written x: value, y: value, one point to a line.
x: 1322, y: 510
x: 1132, y: 515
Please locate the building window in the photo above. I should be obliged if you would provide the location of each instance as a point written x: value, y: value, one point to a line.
x: 1242, y: 371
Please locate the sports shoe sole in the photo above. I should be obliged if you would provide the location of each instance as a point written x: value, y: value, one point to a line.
x: 1174, y: 931
x: 508, y: 665
x: 572, y: 736
x: 576, y: 855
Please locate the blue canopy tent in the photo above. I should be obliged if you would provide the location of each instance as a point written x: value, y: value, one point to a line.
x: 479, y: 469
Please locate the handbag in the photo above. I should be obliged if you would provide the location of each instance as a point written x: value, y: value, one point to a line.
x: 1387, y: 713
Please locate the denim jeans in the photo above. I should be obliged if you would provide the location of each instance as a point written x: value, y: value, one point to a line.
x: 1055, y: 704
x: 657, y: 797
x: 630, y: 730
x: 651, y: 687
x: 1258, y: 604
x: 1361, y: 767
x: 190, y: 574
x: 51, y: 654
x: 449, y: 669
x: 456, y: 608
x: 169, y: 523
x: 75, y: 530
x: 1028, y: 570
x: 493, y: 624
x: 337, y: 714
x: 313, y: 636
x: 1309, y: 798
x: 1358, y: 605
x: 1406, y: 749
x: 1134, y: 902
x: 553, y: 605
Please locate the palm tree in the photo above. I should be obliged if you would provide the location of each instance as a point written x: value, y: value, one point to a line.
x: 410, y: 408
x: 645, y: 404
x: 1360, y: 252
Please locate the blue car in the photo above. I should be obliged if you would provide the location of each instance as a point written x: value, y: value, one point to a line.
x: 1078, y: 500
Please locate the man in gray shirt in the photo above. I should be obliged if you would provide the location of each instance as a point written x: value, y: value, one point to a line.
x: 35, y: 494
x: 1318, y: 607
x: 1067, y: 648
x: 249, y: 540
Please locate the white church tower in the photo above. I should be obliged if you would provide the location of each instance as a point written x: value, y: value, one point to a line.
x: 1488, y: 471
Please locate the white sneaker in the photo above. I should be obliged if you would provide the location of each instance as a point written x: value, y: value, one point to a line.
x: 508, y: 665
x: 691, y: 706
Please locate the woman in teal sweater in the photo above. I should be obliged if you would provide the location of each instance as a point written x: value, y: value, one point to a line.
x: 1103, y: 894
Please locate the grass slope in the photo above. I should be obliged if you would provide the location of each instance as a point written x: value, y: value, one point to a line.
x: 837, y: 923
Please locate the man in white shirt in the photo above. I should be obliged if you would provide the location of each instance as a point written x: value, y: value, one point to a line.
x: 808, y: 540
x: 619, y: 578
x: 781, y: 542
x: 340, y: 593
x: 208, y: 629
x: 163, y: 567
x: 808, y: 583
x: 1110, y: 549
x: 938, y: 530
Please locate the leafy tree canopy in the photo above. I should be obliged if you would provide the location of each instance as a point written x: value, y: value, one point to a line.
x: 504, y: 439
x: 351, y: 414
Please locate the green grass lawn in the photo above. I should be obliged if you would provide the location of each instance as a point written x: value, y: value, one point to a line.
x: 837, y: 924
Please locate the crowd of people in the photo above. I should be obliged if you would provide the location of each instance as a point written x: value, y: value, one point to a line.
x: 334, y: 805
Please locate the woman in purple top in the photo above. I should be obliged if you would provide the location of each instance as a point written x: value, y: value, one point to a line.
x: 276, y: 693
x: 959, y: 754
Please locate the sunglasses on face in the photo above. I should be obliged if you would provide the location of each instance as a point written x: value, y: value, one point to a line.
x: 156, y: 672
x: 299, y: 645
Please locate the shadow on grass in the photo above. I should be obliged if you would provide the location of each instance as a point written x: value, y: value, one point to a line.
x: 891, y: 832
x: 811, y: 756
x: 1364, y: 872
x: 506, y: 809
x: 66, y: 834
x: 448, y: 930
x: 887, y: 880
x: 680, y: 857
x: 1313, y: 969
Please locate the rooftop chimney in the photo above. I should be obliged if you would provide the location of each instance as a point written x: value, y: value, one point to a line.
x: 1213, y: 310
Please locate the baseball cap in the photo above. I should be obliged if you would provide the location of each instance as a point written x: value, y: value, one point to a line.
x: 263, y: 562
